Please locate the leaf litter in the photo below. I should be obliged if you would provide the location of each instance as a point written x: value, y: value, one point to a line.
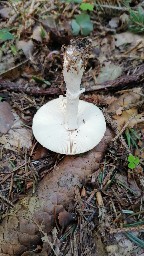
x: 109, y: 198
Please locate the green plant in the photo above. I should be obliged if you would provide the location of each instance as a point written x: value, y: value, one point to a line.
x: 5, y: 35
x: 133, y: 161
x: 82, y: 24
x: 137, y: 20
x: 131, y: 137
x: 86, y: 7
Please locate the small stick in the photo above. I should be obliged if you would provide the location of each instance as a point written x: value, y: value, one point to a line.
x: 127, y: 229
x: 46, y: 239
x: 14, y: 170
x: 6, y: 200
x: 133, y: 48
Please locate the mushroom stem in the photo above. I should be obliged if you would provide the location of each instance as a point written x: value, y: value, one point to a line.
x: 72, y: 72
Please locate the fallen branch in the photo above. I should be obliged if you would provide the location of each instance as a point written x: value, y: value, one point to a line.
x: 127, y: 229
x: 120, y: 83
x: 11, y: 86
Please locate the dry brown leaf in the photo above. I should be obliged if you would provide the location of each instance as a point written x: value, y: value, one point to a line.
x: 123, y: 116
x: 5, y: 12
x: 127, y: 38
x: 40, y: 152
x: 99, y: 99
x: 99, y: 199
x: 108, y: 72
x: 26, y: 47
x: 83, y: 192
x: 17, y: 137
x: 6, y: 117
x: 37, y: 33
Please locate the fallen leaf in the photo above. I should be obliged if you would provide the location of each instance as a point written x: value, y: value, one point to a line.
x: 29, y: 184
x: 13, y: 72
x: 83, y: 192
x: 37, y: 33
x: 127, y: 38
x: 99, y: 199
x: 119, y: 111
x: 65, y: 218
x: 17, y: 137
x: 40, y: 152
x: 6, y: 117
x: 49, y: 22
x: 125, y: 100
x: 4, y: 12
x: 26, y: 47
x: 109, y: 72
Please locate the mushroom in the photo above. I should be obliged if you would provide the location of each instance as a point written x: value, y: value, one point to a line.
x: 68, y: 125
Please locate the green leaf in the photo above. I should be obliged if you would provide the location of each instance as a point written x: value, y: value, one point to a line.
x: 131, y: 158
x: 135, y: 134
x: 128, y: 137
x: 86, y: 26
x: 77, y: 1
x: 131, y: 165
x: 43, y: 33
x: 86, y: 7
x: 135, y: 224
x: 135, y: 239
x: 40, y: 80
x: 75, y: 28
x: 127, y: 211
x: 13, y: 49
x: 73, y: 1
x: 136, y: 161
x: 5, y: 35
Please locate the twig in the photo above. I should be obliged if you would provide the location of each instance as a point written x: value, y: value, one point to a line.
x: 46, y: 238
x: 119, y: 83
x: 13, y: 18
x: 5, y: 84
x: 31, y: 7
x: 14, y: 170
x: 6, y: 200
x: 122, y: 230
x: 133, y: 48
x: 120, y: 8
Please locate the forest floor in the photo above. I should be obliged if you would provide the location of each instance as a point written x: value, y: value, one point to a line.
x: 106, y: 216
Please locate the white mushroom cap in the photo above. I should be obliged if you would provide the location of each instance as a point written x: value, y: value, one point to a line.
x: 49, y: 129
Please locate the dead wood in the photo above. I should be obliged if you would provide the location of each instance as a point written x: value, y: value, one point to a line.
x: 120, y: 83
x: 19, y: 230
x: 11, y: 86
